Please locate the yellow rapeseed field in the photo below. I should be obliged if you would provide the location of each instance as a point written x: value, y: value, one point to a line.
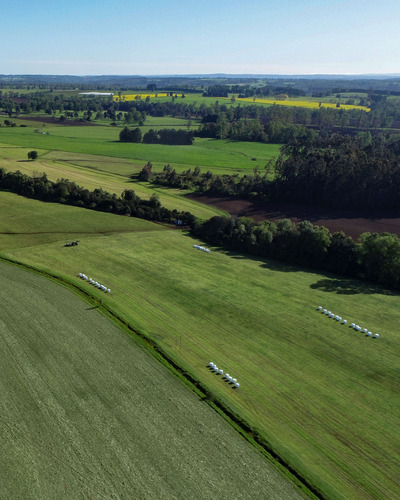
x: 303, y: 104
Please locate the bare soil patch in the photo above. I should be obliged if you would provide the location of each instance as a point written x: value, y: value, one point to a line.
x: 353, y: 223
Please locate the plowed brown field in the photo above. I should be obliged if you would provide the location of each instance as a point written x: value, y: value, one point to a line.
x: 352, y: 223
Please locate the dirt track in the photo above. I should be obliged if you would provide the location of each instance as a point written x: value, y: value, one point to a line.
x: 350, y: 222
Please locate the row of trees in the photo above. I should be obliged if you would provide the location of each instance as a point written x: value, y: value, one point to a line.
x: 162, y: 136
x: 69, y: 193
x: 375, y: 257
x: 134, y: 135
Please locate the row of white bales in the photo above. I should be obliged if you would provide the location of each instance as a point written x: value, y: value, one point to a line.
x: 201, y: 248
x: 94, y: 283
x: 344, y: 322
x: 228, y: 377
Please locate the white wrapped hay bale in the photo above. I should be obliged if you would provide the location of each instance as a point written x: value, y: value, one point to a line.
x: 376, y: 336
x: 237, y: 385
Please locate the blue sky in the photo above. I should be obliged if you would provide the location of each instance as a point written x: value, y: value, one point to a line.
x: 88, y: 37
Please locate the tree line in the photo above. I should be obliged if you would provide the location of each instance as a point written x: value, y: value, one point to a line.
x: 68, y: 193
x: 334, y: 171
x: 375, y: 258
x: 162, y: 136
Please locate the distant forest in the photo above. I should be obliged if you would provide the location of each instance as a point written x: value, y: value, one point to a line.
x: 336, y: 171
x: 304, y: 83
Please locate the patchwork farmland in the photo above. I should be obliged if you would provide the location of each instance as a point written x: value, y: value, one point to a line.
x: 154, y: 365
x: 321, y: 395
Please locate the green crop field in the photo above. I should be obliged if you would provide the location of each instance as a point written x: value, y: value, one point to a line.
x: 324, y: 397
x: 220, y: 156
x: 88, y: 413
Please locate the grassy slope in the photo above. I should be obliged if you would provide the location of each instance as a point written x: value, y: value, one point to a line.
x: 324, y: 396
x: 64, y: 156
x: 220, y: 156
x: 87, y: 413
x: 91, y: 171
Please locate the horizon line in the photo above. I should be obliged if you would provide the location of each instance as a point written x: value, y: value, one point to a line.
x: 171, y: 75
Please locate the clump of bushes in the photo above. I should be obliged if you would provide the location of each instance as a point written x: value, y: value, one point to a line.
x: 164, y: 136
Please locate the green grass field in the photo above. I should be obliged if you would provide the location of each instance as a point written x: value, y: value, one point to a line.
x: 92, y: 157
x: 219, y: 156
x: 88, y: 413
x: 91, y: 171
x: 323, y: 396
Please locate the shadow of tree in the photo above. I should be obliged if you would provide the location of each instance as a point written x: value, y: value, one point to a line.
x: 344, y: 286
x: 265, y: 262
